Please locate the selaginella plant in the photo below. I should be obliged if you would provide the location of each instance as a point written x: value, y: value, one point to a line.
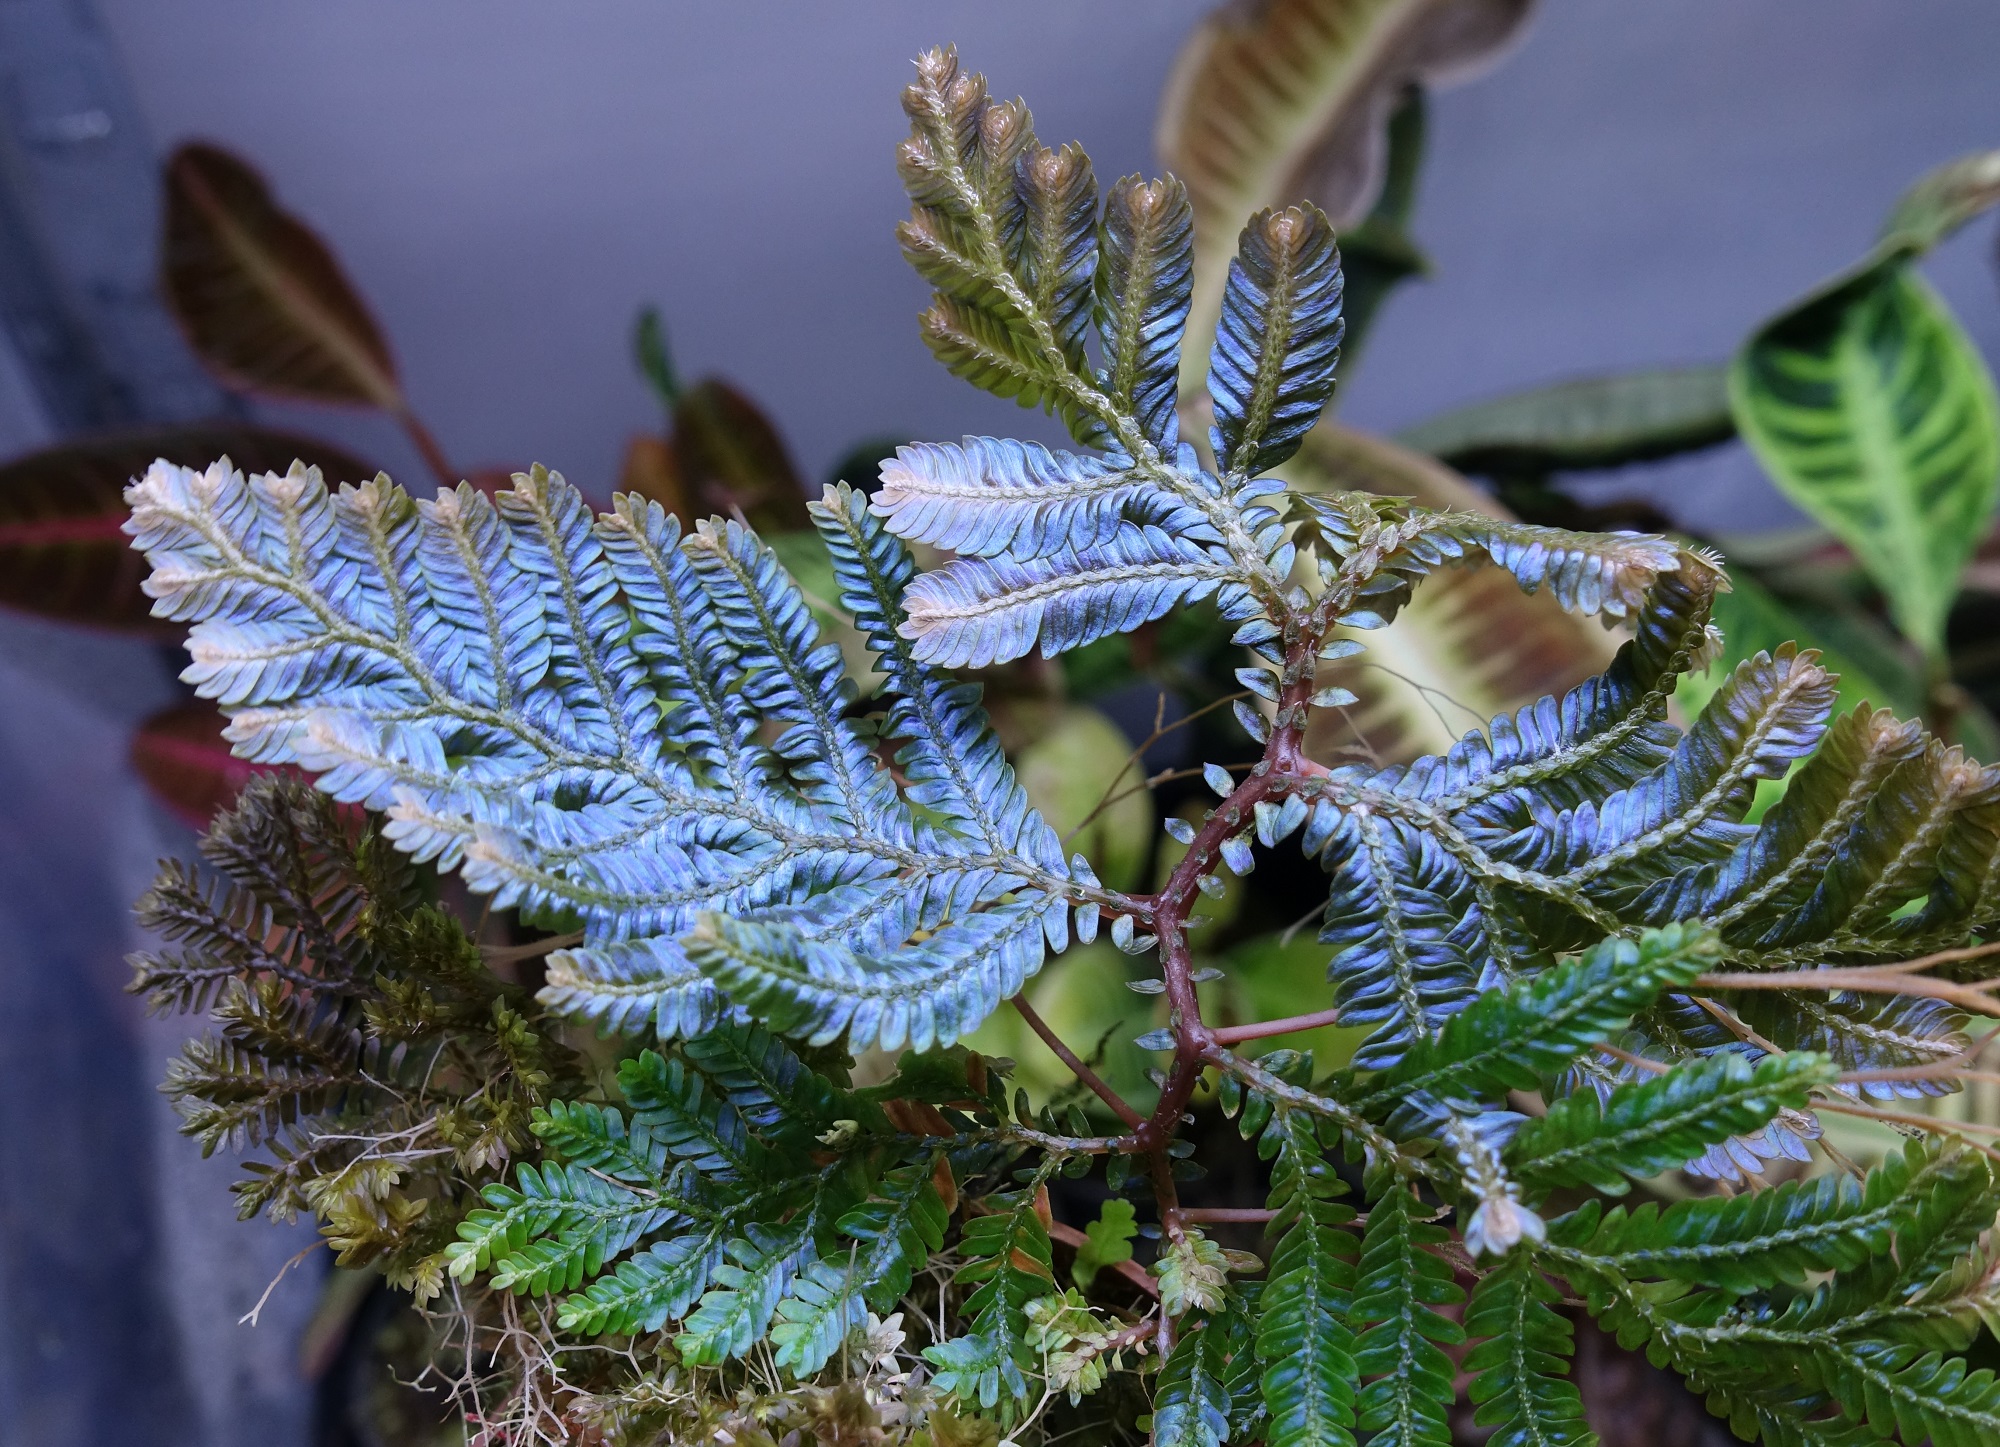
x: 1577, y: 967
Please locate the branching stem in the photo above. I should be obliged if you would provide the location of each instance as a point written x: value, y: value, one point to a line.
x: 1067, y: 1056
x: 1263, y: 1029
x: 1894, y: 980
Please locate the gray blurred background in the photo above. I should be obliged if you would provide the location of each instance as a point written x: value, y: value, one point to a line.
x: 508, y: 180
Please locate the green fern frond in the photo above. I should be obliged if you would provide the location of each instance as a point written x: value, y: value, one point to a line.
x: 1304, y: 1339
x: 1511, y: 1039
x: 1407, y: 1389
x: 1008, y: 1263
x: 1650, y: 1126
x: 1521, y: 1368
x: 1753, y: 1241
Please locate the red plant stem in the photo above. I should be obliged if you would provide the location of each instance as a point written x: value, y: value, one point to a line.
x: 1132, y: 1271
x: 1262, y: 1029
x: 1195, y: 1043
x: 1068, y: 1057
x: 1246, y: 1215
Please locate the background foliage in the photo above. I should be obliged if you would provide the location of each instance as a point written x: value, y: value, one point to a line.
x: 1135, y: 796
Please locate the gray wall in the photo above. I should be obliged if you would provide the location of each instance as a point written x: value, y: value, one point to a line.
x: 509, y: 179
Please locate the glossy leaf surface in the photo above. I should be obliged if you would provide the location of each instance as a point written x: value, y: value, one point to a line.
x: 1286, y: 101
x: 1588, y: 423
x: 1874, y: 412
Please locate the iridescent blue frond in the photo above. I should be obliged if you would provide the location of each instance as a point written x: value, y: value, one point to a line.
x: 1057, y: 240
x: 1771, y: 713
x: 604, y: 719
x: 1145, y: 284
x: 1761, y: 894
x: 627, y: 986
x: 1607, y: 574
x: 1864, y: 1032
x: 1607, y: 732
x: 989, y: 498
x: 1410, y: 945
x: 924, y: 995
x: 952, y: 763
x: 977, y: 611
x: 1278, y: 341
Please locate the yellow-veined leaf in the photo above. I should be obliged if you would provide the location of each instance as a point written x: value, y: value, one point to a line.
x: 1873, y: 411
x: 1287, y: 100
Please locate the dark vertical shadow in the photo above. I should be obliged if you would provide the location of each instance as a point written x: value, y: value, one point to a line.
x: 89, y: 1351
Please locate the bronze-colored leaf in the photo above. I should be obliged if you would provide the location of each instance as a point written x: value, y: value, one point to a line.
x: 62, y: 552
x: 184, y: 760
x: 730, y: 459
x: 650, y: 470
x: 262, y: 299
x: 1280, y: 101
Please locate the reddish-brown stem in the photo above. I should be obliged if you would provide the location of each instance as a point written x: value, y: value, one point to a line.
x: 1196, y: 1044
x: 1068, y: 1057
x: 1262, y: 1029
x: 1247, y: 1215
x: 1194, y: 1040
x: 1977, y: 999
x: 427, y: 448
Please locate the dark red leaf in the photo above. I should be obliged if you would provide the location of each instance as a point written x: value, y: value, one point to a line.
x: 62, y: 553
x: 262, y: 299
x: 181, y: 755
